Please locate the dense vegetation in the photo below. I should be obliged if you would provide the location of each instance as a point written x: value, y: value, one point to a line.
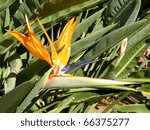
x: 102, y: 25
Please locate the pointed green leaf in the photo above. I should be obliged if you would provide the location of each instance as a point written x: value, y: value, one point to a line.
x: 15, y: 64
x: 33, y: 93
x: 111, y: 39
x: 86, y: 24
x: 89, y: 41
x: 131, y: 57
x: 31, y: 71
x: 10, y: 101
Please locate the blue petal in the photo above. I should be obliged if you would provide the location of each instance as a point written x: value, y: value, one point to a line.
x: 69, y: 67
x: 66, y: 68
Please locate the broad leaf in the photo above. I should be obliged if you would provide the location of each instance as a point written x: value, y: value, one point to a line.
x: 89, y: 41
x: 10, y: 101
x: 31, y: 71
x: 33, y: 93
x: 111, y: 39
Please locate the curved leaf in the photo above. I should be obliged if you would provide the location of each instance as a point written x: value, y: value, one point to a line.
x: 122, y: 11
x: 112, y: 39
x: 31, y: 71
x: 33, y: 93
x: 10, y: 101
x: 15, y: 64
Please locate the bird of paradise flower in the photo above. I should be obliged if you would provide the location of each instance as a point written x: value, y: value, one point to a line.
x: 58, y: 60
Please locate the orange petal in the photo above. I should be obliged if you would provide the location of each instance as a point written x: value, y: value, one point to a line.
x: 41, y: 50
x: 44, y: 54
x: 60, y: 42
x: 19, y: 36
x: 66, y: 36
x: 54, y: 55
x: 29, y: 44
x: 30, y: 30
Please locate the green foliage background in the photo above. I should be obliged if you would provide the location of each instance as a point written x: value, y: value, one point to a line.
x: 102, y: 25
